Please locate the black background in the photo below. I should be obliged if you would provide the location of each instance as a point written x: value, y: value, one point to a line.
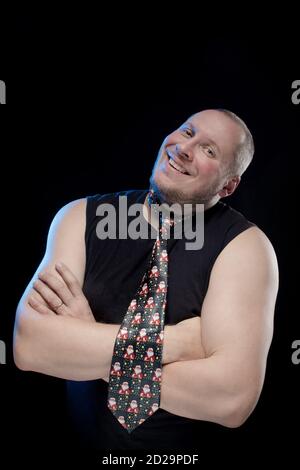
x: 87, y: 111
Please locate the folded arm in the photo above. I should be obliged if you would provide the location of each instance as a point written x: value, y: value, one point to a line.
x: 236, y: 329
x: 74, y: 349
x: 67, y: 342
x: 57, y: 344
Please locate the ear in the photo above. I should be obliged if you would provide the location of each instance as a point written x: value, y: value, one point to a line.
x: 230, y: 187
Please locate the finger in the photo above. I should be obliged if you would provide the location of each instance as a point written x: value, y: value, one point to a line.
x: 39, y: 307
x: 69, y: 278
x: 47, y: 294
x: 37, y: 297
x: 56, y: 286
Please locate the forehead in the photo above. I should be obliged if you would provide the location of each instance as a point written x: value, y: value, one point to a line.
x: 213, y: 121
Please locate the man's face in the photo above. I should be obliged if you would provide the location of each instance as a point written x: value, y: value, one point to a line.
x: 193, y: 161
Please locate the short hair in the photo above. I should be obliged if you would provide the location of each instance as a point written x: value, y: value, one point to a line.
x: 245, y: 150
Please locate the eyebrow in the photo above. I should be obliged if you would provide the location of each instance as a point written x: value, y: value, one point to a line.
x: 207, y: 138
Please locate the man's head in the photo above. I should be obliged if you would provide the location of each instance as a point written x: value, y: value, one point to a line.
x: 203, y: 160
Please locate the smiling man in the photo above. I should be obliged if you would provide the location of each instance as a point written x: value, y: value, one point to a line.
x: 211, y: 150
x: 72, y: 317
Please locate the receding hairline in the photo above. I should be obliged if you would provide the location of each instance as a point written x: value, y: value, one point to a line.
x: 230, y: 114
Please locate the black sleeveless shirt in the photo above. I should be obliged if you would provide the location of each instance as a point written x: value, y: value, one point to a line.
x: 114, y: 270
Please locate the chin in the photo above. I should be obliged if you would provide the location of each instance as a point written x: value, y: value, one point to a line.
x: 170, y: 194
x: 162, y: 189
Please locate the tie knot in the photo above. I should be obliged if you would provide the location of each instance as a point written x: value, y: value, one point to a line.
x: 162, y: 211
x: 153, y: 198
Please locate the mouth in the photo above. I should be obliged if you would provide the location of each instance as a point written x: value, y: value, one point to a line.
x: 176, y: 166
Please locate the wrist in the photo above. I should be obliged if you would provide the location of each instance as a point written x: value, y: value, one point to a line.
x: 171, y: 351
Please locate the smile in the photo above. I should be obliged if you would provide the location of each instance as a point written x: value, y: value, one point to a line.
x: 176, y: 166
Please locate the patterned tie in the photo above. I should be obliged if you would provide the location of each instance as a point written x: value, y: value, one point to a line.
x: 136, y: 369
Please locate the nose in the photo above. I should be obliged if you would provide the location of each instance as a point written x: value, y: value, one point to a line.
x: 184, y: 151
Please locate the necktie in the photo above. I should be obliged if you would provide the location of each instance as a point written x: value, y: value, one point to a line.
x: 136, y: 368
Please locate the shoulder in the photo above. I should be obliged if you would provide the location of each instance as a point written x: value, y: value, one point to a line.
x: 252, y: 240
x: 250, y: 255
x: 70, y: 214
x: 223, y: 224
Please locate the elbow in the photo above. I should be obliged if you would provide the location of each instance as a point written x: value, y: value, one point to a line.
x: 20, y: 359
x: 22, y: 343
x: 239, y: 411
x: 21, y: 352
x: 235, y: 419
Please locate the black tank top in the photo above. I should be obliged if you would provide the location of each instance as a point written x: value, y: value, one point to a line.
x: 114, y: 270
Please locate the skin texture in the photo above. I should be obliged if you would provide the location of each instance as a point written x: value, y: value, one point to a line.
x: 203, y: 146
x: 214, y: 367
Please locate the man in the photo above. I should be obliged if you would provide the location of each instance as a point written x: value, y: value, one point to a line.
x: 71, y: 312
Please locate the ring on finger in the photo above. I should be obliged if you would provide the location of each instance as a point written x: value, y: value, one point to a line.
x: 58, y: 306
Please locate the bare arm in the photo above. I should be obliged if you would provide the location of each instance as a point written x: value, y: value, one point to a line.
x: 68, y: 346
x: 54, y: 344
x: 236, y: 328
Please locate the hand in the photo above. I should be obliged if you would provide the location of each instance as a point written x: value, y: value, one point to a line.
x: 62, y: 297
x: 188, y: 333
x: 182, y: 342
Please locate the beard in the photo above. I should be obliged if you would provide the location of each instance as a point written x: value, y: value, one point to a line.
x: 175, y: 196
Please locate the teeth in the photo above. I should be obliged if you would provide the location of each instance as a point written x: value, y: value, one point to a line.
x: 177, y: 167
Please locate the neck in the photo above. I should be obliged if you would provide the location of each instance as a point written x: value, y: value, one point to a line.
x: 147, y: 214
x: 160, y: 200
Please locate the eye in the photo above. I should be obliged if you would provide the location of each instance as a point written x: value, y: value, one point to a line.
x: 210, y: 151
x: 187, y: 132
